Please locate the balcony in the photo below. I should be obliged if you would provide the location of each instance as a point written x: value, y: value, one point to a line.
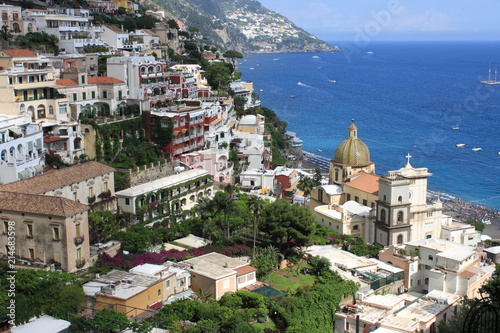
x: 80, y: 263
x: 79, y: 240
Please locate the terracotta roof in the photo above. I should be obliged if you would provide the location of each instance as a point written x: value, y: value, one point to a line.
x: 20, y: 53
x: 468, y: 274
x: 104, y: 80
x: 244, y: 270
x: 363, y: 181
x: 40, y: 204
x: 57, y: 179
x: 66, y: 82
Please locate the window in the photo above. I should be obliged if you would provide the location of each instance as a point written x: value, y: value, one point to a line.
x: 75, y: 97
x: 431, y: 257
x: 82, y: 79
x: 51, y: 109
x: 400, y: 199
x: 31, y: 253
x: 385, y: 198
x: 77, y: 230
x: 348, y: 197
x: 167, y: 284
x: 382, y: 215
x: 5, y: 226
x: 320, y: 195
x: 355, y: 227
x: 365, y: 202
x: 429, y: 214
x: 418, y: 282
x: 29, y: 231
x: 400, y: 239
x: 356, y: 199
x: 127, y: 201
x: 400, y: 217
x: 336, y: 175
x: 159, y: 292
x: 426, y: 281
x: 93, y: 94
x: 105, y: 94
x: 55, y: 233
x: 84, y: 95
x: 91, y: 192
x: 120, y: 95
x: 75, y: 196
x: 225, y: 285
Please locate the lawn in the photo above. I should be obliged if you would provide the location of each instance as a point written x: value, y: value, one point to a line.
x: 293, y: 280
x: 269, y: 324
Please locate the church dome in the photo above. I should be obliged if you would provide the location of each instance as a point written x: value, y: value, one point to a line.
x: 352, y: 151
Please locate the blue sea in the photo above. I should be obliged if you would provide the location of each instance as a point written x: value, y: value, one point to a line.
x: 405, y: 97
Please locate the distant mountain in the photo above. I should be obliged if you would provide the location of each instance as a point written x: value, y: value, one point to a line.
x: 244, y: 26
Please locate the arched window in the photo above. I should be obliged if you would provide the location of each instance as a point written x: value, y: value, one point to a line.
x: 400, y: 217
x: 40, y: 111
x: 400, y: 199
x: 22, y: 108
x: 143, y: 70
x: 400, y: 239
x: 385, y: 198
x: 30, y: 27
x: 336, y: 175
x: 183, y: 202
x: 51, y: 109
x: 382, y: 215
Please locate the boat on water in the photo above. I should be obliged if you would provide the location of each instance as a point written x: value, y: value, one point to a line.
x: 456, y: 127
x: 315, y: 57
x: 292, y: 96
x: 477, y: 149
x: 460, y: 145
x: 320, y: 150
x: 490, y: 81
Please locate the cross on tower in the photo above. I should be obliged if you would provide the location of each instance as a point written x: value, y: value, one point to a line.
x: 408, y: 158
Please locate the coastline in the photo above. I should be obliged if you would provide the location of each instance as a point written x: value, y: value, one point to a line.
x: 458, y: 209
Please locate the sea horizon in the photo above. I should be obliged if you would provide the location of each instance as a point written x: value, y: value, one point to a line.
x: 405, y: 97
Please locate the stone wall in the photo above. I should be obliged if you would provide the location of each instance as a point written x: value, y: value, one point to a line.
x: 148, y: 173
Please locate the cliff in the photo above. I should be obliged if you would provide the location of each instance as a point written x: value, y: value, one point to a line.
x: 244, y: 26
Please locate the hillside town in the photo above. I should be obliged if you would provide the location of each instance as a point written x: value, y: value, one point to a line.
x: 143, y: 188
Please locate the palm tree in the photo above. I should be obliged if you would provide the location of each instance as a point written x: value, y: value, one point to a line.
x: 306, y: 184
x: 204, y: 208
x: 223, y: 205
x: 255, y: 204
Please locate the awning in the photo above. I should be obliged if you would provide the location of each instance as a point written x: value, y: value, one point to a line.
x: 176, y: 133
x: 53, y: 139
x: 23, y: 174
x: 16, y: 130
x: 231, y: 124
x: 184, y: 130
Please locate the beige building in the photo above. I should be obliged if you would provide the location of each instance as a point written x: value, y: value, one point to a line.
x: 90, y: 183
x: 28, y: 85
x: 46, y: 229
x: 217, y: 274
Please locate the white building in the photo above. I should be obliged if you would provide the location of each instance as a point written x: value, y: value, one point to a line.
x: 21, y: 148
x: 169, y: 194
x: 72, y: 26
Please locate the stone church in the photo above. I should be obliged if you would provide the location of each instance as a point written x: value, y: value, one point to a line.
x: 390, y: 209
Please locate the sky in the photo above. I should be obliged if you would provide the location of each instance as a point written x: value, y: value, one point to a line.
x: 347, y: 20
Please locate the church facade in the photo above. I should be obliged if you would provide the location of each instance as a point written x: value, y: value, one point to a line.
x: 397, y: 210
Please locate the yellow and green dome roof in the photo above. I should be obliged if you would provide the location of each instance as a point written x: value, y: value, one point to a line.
x: 352, y: 151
